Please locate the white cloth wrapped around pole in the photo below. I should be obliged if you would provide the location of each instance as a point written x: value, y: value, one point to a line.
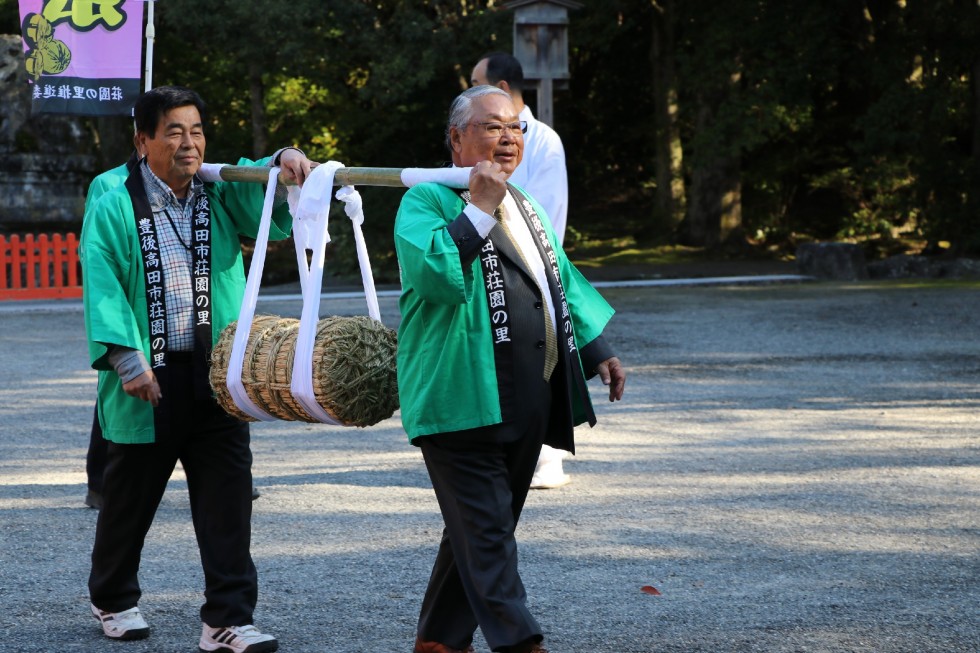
x: 211, y: 172
x: 452, y: 177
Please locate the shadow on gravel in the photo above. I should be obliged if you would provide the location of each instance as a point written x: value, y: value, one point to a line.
x: 794, y: 468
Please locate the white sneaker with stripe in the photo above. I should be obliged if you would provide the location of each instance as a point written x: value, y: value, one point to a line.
x: 238, y: 639
x: 125, y: 625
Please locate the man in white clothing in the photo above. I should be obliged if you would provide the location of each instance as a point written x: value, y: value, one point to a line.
x: 542, y: 171
x: 542, y: 174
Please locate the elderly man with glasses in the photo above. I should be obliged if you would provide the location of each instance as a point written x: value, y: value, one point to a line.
x: 499, y: 333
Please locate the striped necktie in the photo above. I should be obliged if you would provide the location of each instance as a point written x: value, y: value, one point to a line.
x: 550, y: 337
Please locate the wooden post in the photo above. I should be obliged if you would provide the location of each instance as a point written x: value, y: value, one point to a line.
x: 546, y: 109
x: 15, y: 261
x: 46, y: 276
x: 541, y: 45
x: 71, y: 254
x: 5, y: 258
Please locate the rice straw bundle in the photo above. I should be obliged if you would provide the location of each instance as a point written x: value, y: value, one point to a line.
x: 354, y: 371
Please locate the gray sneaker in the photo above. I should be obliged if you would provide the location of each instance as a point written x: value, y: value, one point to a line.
x: 125, y: 625
x: 238, y: 639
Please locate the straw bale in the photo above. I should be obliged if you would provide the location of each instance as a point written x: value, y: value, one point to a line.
x: 354, y: 369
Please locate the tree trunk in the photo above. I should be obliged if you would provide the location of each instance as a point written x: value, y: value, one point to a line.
x: 975, y: 82
x: 669, y: 194
x: 973, y: 166
x: 716, y: 191
x: 256, y: 91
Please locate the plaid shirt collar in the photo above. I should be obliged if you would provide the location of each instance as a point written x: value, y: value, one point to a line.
x: 160, y: 194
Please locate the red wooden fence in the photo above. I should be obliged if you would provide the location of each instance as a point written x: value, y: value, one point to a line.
x: 39, y: 268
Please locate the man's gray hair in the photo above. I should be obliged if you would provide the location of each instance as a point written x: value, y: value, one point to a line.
x: 461, y: 110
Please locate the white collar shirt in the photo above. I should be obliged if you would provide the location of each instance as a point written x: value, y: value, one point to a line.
x: 522, y: 238
x: 542, y: 171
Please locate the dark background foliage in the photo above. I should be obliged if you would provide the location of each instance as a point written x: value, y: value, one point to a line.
x: 843, y: 119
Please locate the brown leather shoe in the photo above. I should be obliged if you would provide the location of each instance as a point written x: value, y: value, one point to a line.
x: 422, y: 646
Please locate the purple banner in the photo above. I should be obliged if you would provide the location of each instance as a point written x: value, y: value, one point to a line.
x: 84, y: 57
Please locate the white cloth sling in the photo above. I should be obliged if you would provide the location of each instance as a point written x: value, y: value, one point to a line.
x: 310, y: 208
x: 311, y: 218
x: 234, y: 375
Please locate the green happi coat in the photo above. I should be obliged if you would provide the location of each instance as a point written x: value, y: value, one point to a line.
x: 103, y: 183
x: 114, y: 291
x: 446, y: 376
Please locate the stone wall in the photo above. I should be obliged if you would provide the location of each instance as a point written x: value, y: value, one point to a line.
x: 843, y: 261
x: 46, y: 161
x: 846, y: 262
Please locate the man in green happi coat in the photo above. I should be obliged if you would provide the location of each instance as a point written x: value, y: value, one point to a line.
x: 499, y: 333
x: 162, y: 276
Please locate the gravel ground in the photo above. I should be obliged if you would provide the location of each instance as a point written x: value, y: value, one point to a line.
x: 795, y: 468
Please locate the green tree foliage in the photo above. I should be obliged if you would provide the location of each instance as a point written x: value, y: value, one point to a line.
x: 605, y: 118
x: 940, y: 127
x: 847, y: 119
x: 751, y: 80
x: 9, y: 17
x: 364, y: 83
x: 851, y: 119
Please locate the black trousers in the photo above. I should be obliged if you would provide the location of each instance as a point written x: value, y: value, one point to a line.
x: 213, y: 449
x: 96, y: 456
x: 481, y: 478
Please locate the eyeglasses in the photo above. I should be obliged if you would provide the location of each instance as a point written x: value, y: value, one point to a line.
x: 497, y: 129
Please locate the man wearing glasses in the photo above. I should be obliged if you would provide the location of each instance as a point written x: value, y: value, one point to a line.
x: 499, y: 333
x: 542, y: 174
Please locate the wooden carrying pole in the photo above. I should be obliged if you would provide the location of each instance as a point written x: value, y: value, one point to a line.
x: 342, y: 177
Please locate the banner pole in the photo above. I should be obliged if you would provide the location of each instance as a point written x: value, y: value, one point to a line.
x: 150, y: 36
